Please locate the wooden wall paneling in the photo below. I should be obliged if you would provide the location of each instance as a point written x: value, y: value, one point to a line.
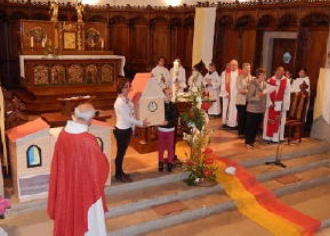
x: 316, y: 47
x: 139, y: 43
x: 248, y: 46
x: 160, y: 45
x: 218, y: 45
x: 176, y: 36
x: 187, y: 42
x: 258, y: 50
x: 231, y: 45
x: 119, y: 36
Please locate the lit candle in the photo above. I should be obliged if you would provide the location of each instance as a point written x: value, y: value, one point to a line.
x: 174, y: 79
x: 32, y: 42
x: 43, y: 43
x: 102, y: 43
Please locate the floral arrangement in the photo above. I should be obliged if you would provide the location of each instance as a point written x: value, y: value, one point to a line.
x: 4, y: 205
x: 200, y: 164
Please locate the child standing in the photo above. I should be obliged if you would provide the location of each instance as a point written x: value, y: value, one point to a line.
x: 166, y: 133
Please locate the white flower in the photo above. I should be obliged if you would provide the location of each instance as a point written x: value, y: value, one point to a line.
x: 230, y: 170
x: 197, y: 180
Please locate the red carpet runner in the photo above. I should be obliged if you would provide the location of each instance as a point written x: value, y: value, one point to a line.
x: 261, y: 205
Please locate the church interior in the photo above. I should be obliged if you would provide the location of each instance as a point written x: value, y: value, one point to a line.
x: 57, y: 54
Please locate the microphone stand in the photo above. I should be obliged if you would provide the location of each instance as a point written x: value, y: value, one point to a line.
x: 277, y: 161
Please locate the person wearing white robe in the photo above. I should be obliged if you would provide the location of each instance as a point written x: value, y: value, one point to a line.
x: 195, y: 81
x: 161, y: 73
x: 228, y: 93
x: 212, y: 83
x: 282, y: 106
x: 179, y: 78
x: 295, y: 86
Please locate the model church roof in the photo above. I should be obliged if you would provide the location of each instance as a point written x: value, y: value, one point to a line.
x: 26, y: 129
x: 143, y: 85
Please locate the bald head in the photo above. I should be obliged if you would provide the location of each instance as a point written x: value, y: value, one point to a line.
x: 233, y: 65
x: 84, y: 112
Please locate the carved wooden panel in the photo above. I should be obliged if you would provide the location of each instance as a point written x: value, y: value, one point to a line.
x: 35, y: 35
x: 248, y: 46
x: 119, y: 35
x: 96, y: 36
x: 160, y: 40
x: 45, y: 37
x: 52, y: 74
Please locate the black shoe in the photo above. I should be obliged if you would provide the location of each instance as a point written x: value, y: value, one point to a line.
x: 169, y: 167
x: 225, y: 127
x: 123, y: 178
x: 120, y: 178
x: 161, y: 166
x: 127, y: 177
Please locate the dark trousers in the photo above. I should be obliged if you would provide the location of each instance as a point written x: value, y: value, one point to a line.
x: 241, y: 118
x: 253, y: 121
x: 123, y: 137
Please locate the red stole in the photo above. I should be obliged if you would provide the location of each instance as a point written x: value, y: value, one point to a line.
x: 274, y: 117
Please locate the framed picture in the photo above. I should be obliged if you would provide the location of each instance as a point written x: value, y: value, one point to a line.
x: 70, y: 40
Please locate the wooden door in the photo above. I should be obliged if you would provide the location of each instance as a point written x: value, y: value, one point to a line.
x: 284, y: 54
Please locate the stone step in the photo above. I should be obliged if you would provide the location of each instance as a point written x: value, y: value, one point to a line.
x: 197, y: 201
x: 140, y: 199
x: 233, y: 223
x: 201, y: 211
x: 150, y: 179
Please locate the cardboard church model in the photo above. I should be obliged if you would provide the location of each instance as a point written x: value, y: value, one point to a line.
x: 103, y: 131
x: 148, y: 99
x: 30, y: 153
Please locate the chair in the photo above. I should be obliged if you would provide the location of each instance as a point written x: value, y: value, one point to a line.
x: 297, y: 113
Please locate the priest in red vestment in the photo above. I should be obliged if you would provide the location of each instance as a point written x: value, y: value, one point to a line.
x: 79, y: 171
x: 277, y: 105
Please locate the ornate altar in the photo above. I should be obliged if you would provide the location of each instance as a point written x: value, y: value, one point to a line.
x: 64, y: 59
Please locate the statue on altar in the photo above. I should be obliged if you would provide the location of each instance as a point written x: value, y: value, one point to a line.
x: 79, y: 9
x: 53, y: 11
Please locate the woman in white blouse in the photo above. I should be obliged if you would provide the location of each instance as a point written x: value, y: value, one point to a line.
x: 125, y: 121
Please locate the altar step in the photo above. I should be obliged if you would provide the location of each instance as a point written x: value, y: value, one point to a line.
x: 141, y: 211
x: 145, y: 180
x: 49, y: 103
x: 233, y: 223
x: 138, y: 207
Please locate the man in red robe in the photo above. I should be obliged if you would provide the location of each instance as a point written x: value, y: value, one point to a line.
x: 277, y: 105
x: 79, y: 171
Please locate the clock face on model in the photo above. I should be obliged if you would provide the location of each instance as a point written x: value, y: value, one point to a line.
x: 152, y: 106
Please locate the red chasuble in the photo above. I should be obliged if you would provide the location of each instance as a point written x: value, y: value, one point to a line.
x: 274, y: 117
x: 79, y: 171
